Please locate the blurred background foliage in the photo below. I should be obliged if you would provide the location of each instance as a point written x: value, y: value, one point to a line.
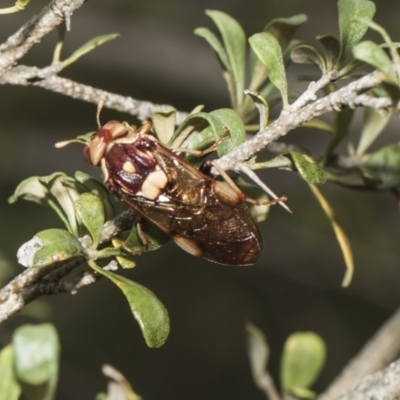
x: 295, y: 286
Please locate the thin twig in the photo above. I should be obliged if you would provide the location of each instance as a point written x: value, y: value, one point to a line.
x: 289, y: 120
x: 17, y: 45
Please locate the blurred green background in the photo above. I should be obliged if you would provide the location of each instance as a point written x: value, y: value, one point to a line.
x: 295, y: 286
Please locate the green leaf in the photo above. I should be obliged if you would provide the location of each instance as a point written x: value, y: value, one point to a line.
x: 262, y: 107
x: 231, y: 121
x: 283, y: 29
x: 118, y: 386
x: 37, y: 349
x: 258, y: 352
x: 374, y: 122
x: 112, y: 206
x: 90, y: 211
x: 57, y: 191
x: 267, y: 49
x: 341, y: 129
x: 319, y: 124
x: 308, y: 169
x: 305, y: 54
x: 146, y: 308
x: 234, y: 41
x: 351, y: 30
x: 125, y: 263
x: 373, y: 54
x: 30, y: 189
x: 87, y: 47
x: 164, y: 125
x: 384, y: 166
x: 340, y: 235
x: 208, y: 127
x: 9, y: 387
x: 302, y: 360
x: 216, y: 45
x: 48, y: 247
x: 331, y: 48
x: 155, y: 237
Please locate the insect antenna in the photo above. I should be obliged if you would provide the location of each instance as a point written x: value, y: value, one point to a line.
x: 100, y: 106
x: 64, y: 143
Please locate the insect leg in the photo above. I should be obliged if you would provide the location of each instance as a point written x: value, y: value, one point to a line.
x: 209, y: 164
x: 200, y: 153
x: 136, y: 243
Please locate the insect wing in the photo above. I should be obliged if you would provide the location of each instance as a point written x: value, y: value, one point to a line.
x: 200, y: 214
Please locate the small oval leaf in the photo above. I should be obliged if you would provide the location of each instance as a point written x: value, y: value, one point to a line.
x: 352, y: 30
x: 374, y: 123
x: 37, y: 350
x: 233, y: 123
x: 373, y: 54
x: 164, y: 125
x: 258, y: 352
x: 216, y: 45
x: 9, y: 387
x: 331, y: 48
x: 384, y: 166
x: 308, y: 169
x: 30, y: 189
x: 112, y: 205
x: 284, y: 28
x: 268, y: 50
x: 89, y: 46
x: 341, y: 129
x: 89, y: 208
x: 235, y: 46
x: 262, y: 107
x: 306, y: 54
x: 302, y: 360
x: 146, y: 308
x: 48, y: 247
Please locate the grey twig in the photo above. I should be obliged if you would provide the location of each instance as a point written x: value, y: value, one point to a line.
x: 289, y: 120
x: 35, y: 282
x: 378, y: 352
x: 142, y: 109
x: 34, y: 30
x: 382, y: 385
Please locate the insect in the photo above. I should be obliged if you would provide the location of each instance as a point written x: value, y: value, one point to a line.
x: 205, y: 217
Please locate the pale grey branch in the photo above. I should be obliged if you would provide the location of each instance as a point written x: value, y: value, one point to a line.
x: 383, y: 385
x: 289, y: 120
x: 17, y: 45
x: 35, y: 282
x: 378, y: 352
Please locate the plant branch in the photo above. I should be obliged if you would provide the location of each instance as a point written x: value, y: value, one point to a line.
x: 289, y: 120
x: 377, y: 353
x: 381, y: 385
x: 46, y: 78
x: 28, y: 285
x: 35, y: 282
x: 142, y: 109
x: 17, y: 45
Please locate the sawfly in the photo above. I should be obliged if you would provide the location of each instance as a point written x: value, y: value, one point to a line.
x: 205, y: 217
